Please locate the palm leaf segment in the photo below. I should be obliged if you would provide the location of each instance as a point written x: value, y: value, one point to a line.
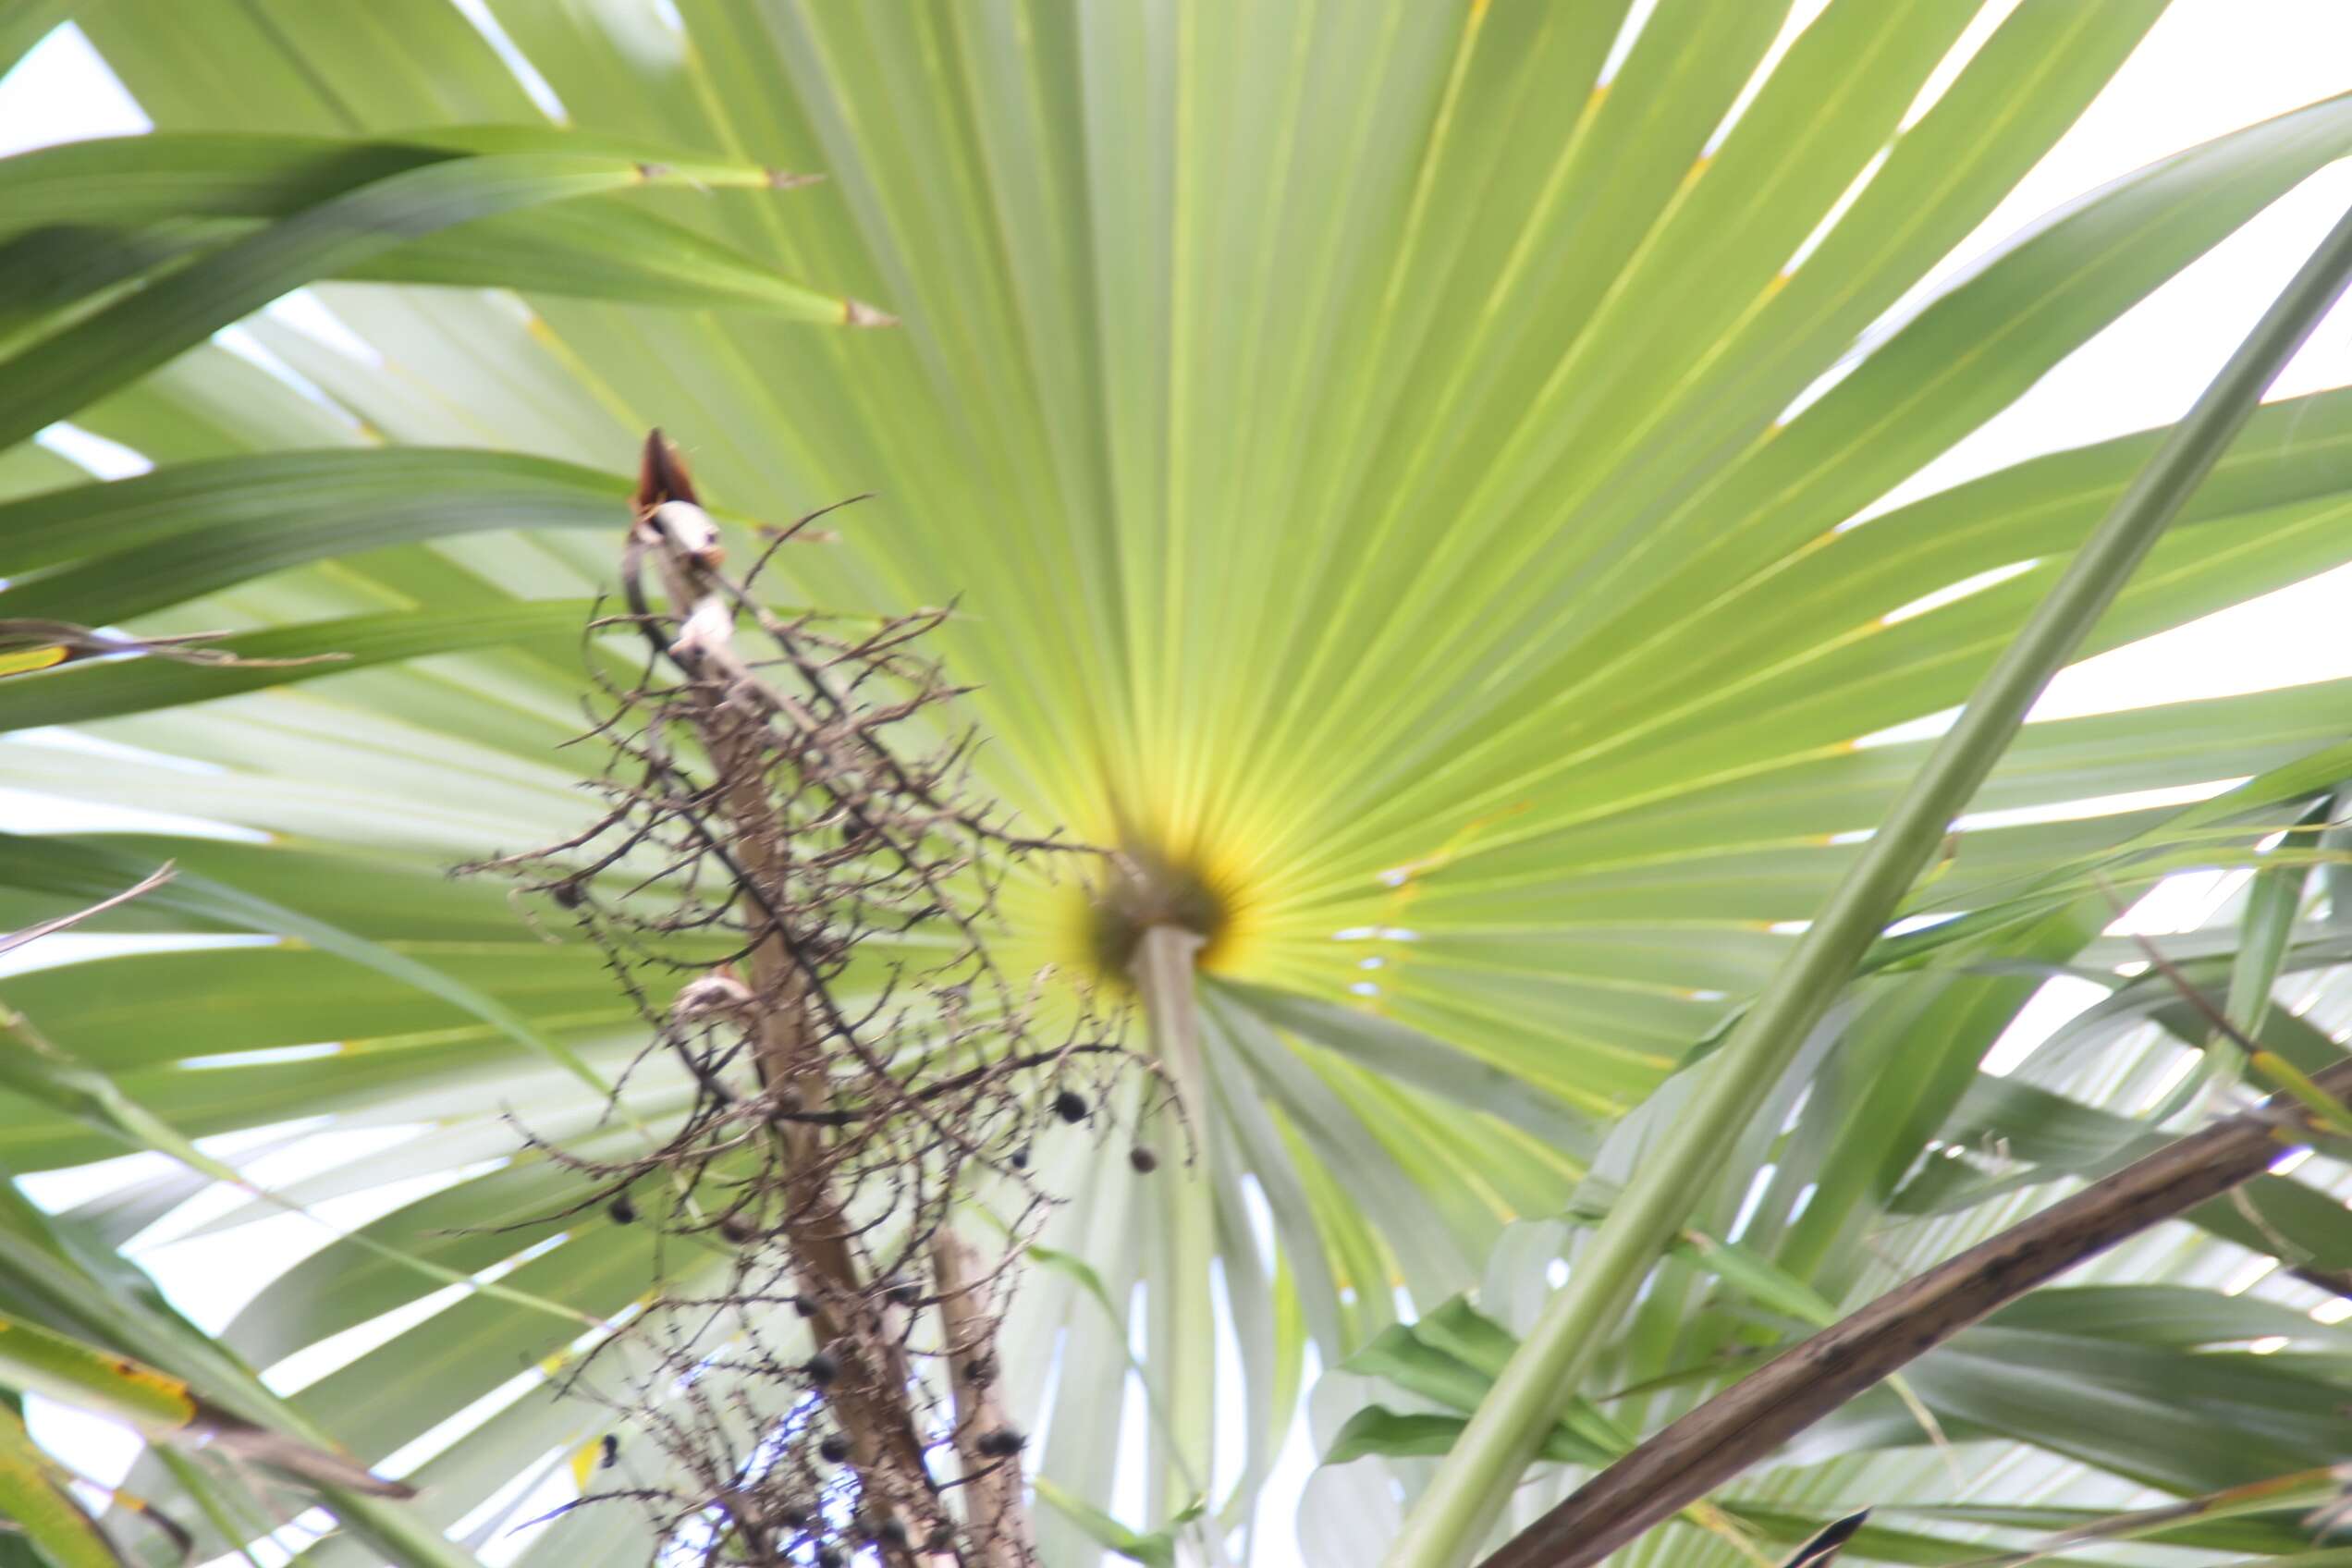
x: 1368, y: 474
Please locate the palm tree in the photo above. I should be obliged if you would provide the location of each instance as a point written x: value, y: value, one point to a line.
x: 1396, y: 469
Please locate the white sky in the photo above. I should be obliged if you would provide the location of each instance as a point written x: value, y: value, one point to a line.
x: 2209, y: 66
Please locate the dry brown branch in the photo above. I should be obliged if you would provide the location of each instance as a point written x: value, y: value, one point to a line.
x: 794, y: 876
x: 1747, y: 1421
x: 148, y: 884
x: 992, y: 1496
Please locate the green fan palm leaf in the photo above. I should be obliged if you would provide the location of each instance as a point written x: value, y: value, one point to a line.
x: 1396, y: 483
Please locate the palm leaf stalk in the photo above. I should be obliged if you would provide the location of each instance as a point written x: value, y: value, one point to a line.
x: 1467, y: 1494
x: 2326, y: 1487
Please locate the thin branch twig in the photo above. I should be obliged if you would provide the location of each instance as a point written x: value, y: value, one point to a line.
x: 1746, y: 1422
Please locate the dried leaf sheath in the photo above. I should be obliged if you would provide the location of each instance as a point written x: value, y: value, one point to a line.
x: 791, y: 854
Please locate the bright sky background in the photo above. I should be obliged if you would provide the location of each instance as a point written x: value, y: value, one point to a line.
x: 2209, y: 66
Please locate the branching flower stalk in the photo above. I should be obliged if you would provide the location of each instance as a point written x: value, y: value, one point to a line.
x: 796, y: 882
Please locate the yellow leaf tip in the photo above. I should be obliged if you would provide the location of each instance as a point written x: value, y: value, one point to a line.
x: 857, y: 313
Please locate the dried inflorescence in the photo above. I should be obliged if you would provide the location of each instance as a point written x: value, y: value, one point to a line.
x: 794, y: 879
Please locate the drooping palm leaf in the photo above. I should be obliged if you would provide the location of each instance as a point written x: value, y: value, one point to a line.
x: 1688, y: 1164
x: 1890, y: 1158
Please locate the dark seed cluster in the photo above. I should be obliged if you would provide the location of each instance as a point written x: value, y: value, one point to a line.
x: 795, y: 881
